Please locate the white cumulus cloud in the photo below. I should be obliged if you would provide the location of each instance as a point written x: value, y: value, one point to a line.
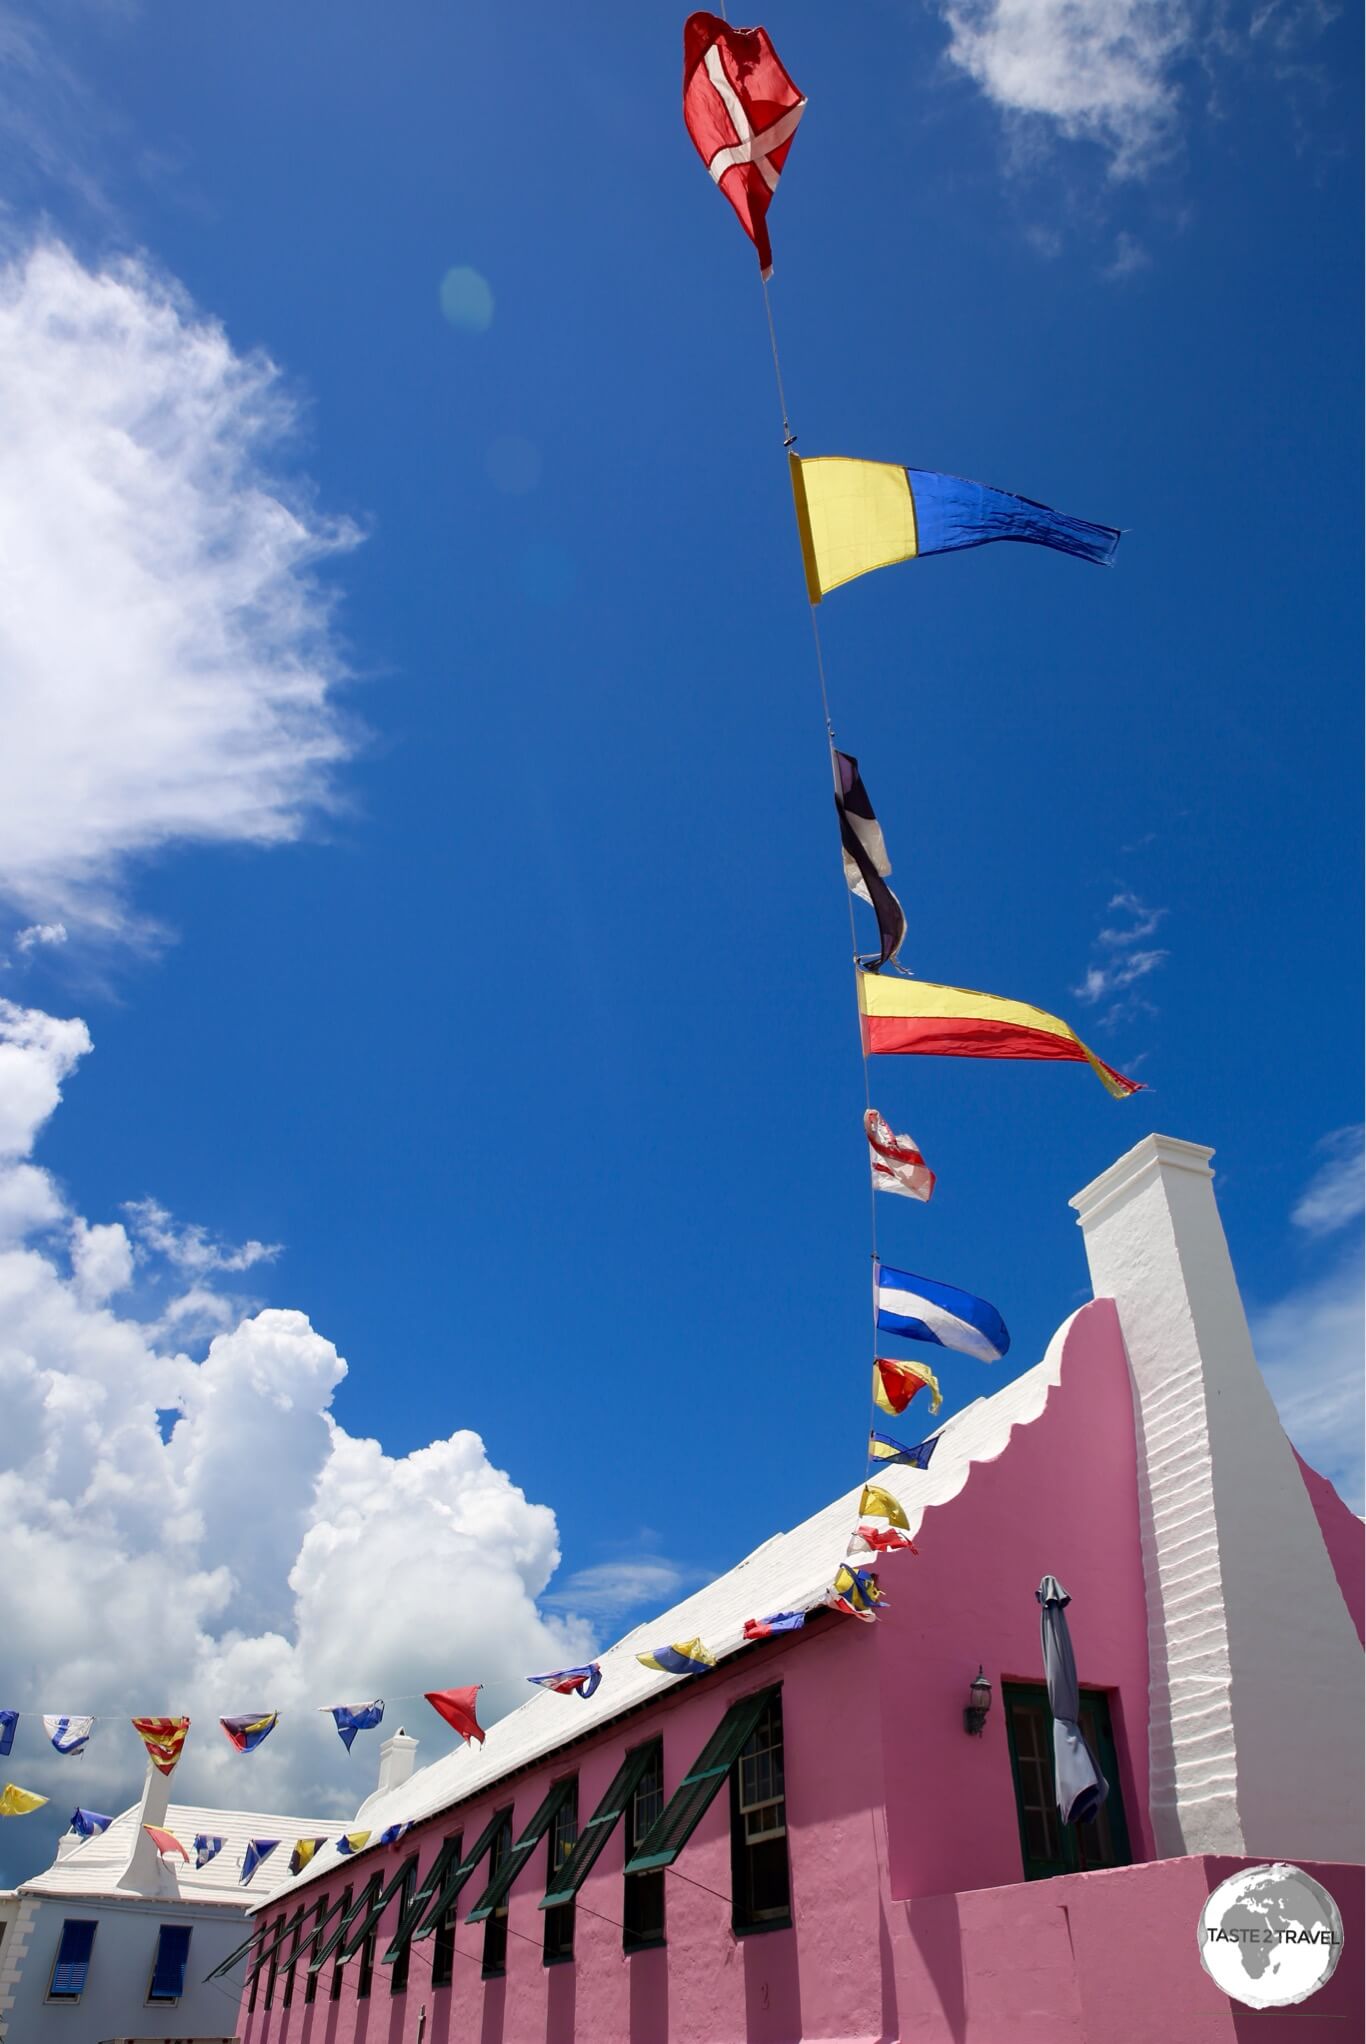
x: 168, y: 661
x: 254, y: 1554
x: 1102, y: 71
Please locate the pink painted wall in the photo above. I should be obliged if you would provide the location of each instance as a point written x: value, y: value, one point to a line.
x: 1062, y: 1500
x: 891, y: 1807
x: 1345, y: 1538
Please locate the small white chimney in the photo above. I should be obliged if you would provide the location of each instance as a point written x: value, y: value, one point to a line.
x: 1255, y: 1698
x: 397, y: 1758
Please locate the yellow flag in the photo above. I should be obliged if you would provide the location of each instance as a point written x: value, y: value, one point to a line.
x: 853, y: 516
x: 17, y: 1802
x: 877, y: 1503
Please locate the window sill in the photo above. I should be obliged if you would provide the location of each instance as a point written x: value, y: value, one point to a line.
x: 755, y: 1930
x: 557, y: 1958
x: 644, y: 1945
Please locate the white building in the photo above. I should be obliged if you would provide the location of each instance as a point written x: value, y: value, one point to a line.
x: 112, y: 1943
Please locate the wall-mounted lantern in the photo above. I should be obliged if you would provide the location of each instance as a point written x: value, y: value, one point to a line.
x: 979, y: 1703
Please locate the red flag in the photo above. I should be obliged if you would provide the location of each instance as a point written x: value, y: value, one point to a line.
x: 742, y: 110
x: 456, y: 1706
x: 165, y: 1842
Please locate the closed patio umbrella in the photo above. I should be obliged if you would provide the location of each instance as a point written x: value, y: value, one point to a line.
x: 1082, y: 1788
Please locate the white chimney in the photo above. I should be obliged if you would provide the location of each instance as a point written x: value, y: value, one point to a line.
x: 397, y: 1757
x: 1255, y: 1699
x: 147, y: 1873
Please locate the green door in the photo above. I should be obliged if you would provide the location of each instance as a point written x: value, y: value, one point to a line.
x: 1047, y: 1845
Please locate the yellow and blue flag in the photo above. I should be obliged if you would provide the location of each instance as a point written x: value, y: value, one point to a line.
x: 304, y: 1851
x: 854, y: 516
x: 856, y: 1591
x: 352, y: 1841
x: 883, y: 1448
x: 684, y: 1657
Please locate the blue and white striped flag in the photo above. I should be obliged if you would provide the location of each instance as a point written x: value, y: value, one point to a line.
x: 924, y: 1310
x: 68, y: 1734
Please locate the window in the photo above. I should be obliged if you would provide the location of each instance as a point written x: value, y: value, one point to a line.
x: 168, y: 1968
x: 643, y: 1898
x: 291, y: 1962
x: 692, y: 1798
x: 398, y: 1978
x: 760, y: 1895
x: 443, y: 1952
x: 597, y: 1830
x: 496, y: 1923
x: 558, y: 1941
x: 310, y: 1975
x: 1047, y: 1845
x: 366, y: 1975
x: 72, y: 1962
x: 339, y: 1963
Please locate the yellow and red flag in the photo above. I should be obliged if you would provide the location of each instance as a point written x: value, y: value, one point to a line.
x: 912, y: 1017
x: 163, y: 1738
x: 895, y: 1384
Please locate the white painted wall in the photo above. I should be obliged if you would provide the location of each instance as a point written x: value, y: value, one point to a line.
x: 114, y: 2004
x: 1257, y: 1678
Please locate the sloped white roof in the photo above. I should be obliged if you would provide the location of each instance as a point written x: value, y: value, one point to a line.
x: 789, y: 1572
x: 95, y: 1865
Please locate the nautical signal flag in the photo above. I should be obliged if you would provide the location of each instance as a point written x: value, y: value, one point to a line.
x: 872, y: 1539
x: 913, y: 1018
x: 207, y: 1846
x: 8, y: 1720
x: 166, y: 1842
x: 684, y: 1657
x: 164, y: 1739
x: 304, y: 1851
x: 854, y: 516
x: 69, y: 1734
x: 781, y: 1621
x: 352, y: 1841
x: 882, y: 1448
x: 741, y: 110
x: 895, y: 1384
x: 896, y: 1160
x: 351, y: 1718
x: 866, y: 864
x: 89, y: 1823
x: 246, y: 1733
x: 925, y: 1310
x: 258, y: 1849
x: 570, y: 1681
x: 456, y: 1706
x: 877, y: 1503
x: 855, y: 1591
x: 392, y: 1832
x: 17, y: 1802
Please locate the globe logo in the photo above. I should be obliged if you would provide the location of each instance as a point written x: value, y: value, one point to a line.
x: 1270, y: 1936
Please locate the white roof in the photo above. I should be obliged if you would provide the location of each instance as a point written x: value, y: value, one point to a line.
x: 789, y: 1572
x: 94, y: 1866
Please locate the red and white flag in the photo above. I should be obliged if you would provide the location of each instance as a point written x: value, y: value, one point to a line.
x: 897, y: 1163
x: 742, y: 110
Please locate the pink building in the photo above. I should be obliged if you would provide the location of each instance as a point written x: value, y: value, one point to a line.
x: 809, y: 1841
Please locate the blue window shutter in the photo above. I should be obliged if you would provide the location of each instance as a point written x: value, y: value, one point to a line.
x: 168, y: 1974
x: 72, y: 1962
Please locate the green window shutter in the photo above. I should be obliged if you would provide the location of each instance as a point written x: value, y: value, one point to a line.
x: 690, y: 1801
x: 569, y: 1878
x: 497, y: 1889
x: 413, y: 1910
x: 286, y: 1965
x: 379, y: 1902
x: 350, y: 1912
x: 342, y: 1903
x: 271, y: 1944
x: 457, y: 1876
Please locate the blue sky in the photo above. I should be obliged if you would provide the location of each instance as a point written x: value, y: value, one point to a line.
x: 534, y: 1046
